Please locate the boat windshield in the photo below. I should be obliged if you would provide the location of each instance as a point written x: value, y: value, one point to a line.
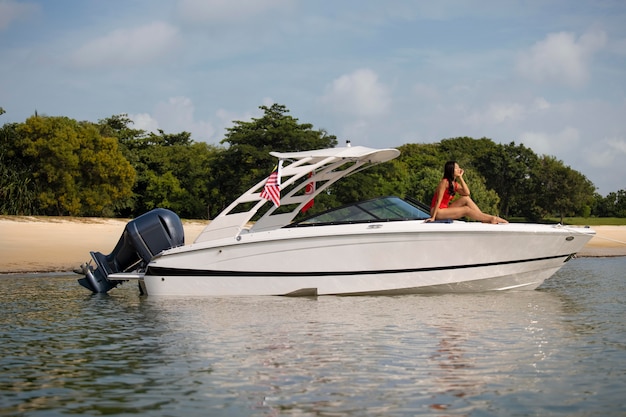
x: 379, y: 209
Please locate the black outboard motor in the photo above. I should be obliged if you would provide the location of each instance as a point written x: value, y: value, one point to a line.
x: 143, y: 238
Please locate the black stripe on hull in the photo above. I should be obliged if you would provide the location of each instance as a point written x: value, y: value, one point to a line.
x: 165, y: 272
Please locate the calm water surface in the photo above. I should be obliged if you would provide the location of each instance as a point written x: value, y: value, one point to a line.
x: 557, y: 351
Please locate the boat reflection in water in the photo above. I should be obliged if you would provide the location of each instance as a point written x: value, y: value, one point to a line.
x: 329, y: 353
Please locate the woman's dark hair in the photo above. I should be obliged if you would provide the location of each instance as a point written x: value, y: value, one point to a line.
x: 448, y: 173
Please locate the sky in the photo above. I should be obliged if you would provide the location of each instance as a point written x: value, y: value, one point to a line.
x: 549, y: 74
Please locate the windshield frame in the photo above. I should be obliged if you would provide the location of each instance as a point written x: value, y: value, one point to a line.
x: 381, y: 209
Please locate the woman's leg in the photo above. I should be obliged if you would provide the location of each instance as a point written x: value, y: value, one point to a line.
x: 457, y: 212
x: 465, y: 201
x: 465, y: 206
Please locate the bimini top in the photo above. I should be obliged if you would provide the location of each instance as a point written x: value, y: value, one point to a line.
x: 318, y: 168
x: 347, y: 152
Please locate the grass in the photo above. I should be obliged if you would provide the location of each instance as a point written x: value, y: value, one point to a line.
x: 577, y: 221
x: 591, y: 221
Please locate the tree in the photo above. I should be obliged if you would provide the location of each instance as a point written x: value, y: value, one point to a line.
x: 508, y: 170
x: 56, y: 165
x: 105, y: 176
x: 173, y: 171
x: 389, y: 178
x: 424, y: 166
x: 619, y: 199
x: 119, y: 126
x: 465, y: 150
x: 193, y: 166
x: 561, y: 190
x: 486, y: 198
x: 17, y: 192
x: 74, y: 169
x: 613, y: 205
x: 247, y: 159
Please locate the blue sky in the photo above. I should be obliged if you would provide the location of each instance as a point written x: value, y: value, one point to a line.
x: 550, y: 74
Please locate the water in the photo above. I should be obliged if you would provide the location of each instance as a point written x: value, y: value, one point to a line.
x: 557, y: 351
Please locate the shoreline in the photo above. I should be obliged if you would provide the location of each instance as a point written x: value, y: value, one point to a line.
x: 30, y: 244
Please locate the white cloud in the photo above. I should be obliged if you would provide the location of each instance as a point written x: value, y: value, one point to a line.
x: 604, y: 159
x: 540, y: 104
x: 11, y: 11
x: 560, y: 57
x: 359, y: 94
x: 175, y: 115
x: 507, y: 114
x: 227, y: 118
x: 426, y: 92
x: 544, y: 143
x: 127, y: 47
x: 503, y: 112
x: 497, y: 113
x: 605, y: 154
x: 143, y: 121
x: 224, y: 11
x: 358, y: 133
x: 618, y: 146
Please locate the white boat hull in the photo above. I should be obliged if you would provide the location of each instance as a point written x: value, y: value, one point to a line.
x: 367, y: 259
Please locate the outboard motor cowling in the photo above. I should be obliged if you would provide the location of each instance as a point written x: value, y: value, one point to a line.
x: 143, y: 238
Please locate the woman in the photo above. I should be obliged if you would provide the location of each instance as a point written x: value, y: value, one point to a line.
x: 442, y: 209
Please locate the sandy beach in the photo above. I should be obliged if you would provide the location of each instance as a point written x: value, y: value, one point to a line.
x: 56, y: 244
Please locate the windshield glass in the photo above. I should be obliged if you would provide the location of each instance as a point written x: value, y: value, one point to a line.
x: 380, y: 209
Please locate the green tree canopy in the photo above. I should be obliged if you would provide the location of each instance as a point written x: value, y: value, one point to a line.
x: 508, y: 170
x: 560, y: 190
x: 613, y: 205
x: 56, y: 165
x: 17, y: 191
x: 173, y: 171
x: 74, y: 169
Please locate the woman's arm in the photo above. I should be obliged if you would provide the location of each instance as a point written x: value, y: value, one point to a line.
x: 463, y: 188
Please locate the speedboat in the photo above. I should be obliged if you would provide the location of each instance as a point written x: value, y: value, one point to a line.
x: 381, y: 246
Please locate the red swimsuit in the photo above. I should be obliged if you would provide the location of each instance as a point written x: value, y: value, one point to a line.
x: 445, y: 201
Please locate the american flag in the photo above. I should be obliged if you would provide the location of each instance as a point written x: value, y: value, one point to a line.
x: 271, y: 191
